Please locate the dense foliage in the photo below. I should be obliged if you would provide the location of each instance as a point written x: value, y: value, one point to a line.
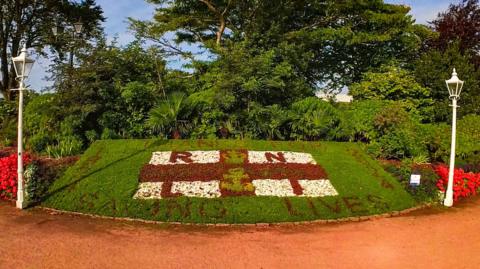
x: 460, y: 23
x: 263, y: 62
x: 30, y: 22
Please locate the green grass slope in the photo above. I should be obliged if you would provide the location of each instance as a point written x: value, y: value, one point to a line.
x: 105, y: 179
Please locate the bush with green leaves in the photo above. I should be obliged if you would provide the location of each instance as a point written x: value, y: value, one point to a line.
x: 399, y: 134
x: 34, y: 189
x: 396, y: 84
x: 170, y: 116
x: 468, y: 140
x: 427, y: 191
x: 267, y: 122
x: 388, y: 129
x: 314, y: 119
x: 8, y: 122
x: 211, y: 124
x: 357, y: 120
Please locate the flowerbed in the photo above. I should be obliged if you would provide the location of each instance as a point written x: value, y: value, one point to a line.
x: 211, y: 174
x: 434, y: 178
x: 120, y: 178
x: 8, y: 175
x: 38, y: 174
x: 464, y: 184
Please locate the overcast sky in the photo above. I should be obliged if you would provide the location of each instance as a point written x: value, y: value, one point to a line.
x: 117, y: 12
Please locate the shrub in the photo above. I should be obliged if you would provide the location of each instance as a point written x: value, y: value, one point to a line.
x: 357, y: 120
x: 33, y: 188
x: 388, y: 129
x: 266, y: 122
x: 394, y: 83
x: 39, y: 142
x: 400, y: 134
x: 427, y: 190
x: 91, y: 136
x: 208, y: 125
x: 66, y: 146
x: 313, y: 119
x: 468, y: 140
x: 464, y: 184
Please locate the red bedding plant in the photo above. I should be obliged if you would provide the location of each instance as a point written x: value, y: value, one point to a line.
x: 464, y: 184
x: 206, y: 172
x: 8, y: 175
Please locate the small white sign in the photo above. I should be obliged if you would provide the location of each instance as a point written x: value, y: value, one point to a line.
x: 415, y: 180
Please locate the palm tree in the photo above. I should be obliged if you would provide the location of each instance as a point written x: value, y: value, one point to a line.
x: 169, y: 116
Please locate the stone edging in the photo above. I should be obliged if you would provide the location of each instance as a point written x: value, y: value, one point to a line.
x: 330, y: 221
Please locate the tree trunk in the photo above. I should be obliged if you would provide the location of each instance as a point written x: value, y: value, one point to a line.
x: 221, y: 18
x: 221, y: 30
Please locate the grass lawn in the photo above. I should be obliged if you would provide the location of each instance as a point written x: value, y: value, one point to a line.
x: 105, y: 179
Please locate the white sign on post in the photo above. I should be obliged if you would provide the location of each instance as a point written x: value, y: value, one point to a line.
x: 415, y: 180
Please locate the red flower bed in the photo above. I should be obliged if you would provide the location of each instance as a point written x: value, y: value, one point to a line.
x: 8, y: 175
x: 206, y: 172
x: 464, y: 184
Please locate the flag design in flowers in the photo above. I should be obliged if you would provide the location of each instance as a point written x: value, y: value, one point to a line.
x: 211, y: 174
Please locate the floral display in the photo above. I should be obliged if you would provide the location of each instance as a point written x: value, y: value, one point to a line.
x: 464, y: 184
x: 8, y: 175
x: 211, y: 174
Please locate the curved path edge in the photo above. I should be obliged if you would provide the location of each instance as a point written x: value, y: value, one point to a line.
x: 319, y: 221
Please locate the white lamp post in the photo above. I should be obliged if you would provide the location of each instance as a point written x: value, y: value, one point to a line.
x: 23, y: 65
x: 454, y: 86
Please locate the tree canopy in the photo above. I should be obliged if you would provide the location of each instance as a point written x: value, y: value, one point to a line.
x: 30, y: 22
x: 262, y: 64
x: 329, y: 44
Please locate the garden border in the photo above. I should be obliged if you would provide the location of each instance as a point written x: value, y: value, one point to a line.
x: 273, y: 224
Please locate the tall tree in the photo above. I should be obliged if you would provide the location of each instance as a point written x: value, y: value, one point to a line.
x: 30, y: 22
x: 330, y: 43
x: 460, y: 23
x: 435, y: 66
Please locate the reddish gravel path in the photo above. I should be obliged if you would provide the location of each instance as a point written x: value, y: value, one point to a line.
x: 427, y: 239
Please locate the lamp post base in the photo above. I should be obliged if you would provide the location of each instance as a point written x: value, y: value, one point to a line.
x: 21, y: 204
x: 448, y: 202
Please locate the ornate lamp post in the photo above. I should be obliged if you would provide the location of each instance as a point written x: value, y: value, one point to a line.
x: 454, y: 86
x: 23, y: 65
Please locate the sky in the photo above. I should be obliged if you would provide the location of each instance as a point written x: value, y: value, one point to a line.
x: 117, y: 12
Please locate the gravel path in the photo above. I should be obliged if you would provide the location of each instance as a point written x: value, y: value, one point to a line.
x: 433, y: 238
